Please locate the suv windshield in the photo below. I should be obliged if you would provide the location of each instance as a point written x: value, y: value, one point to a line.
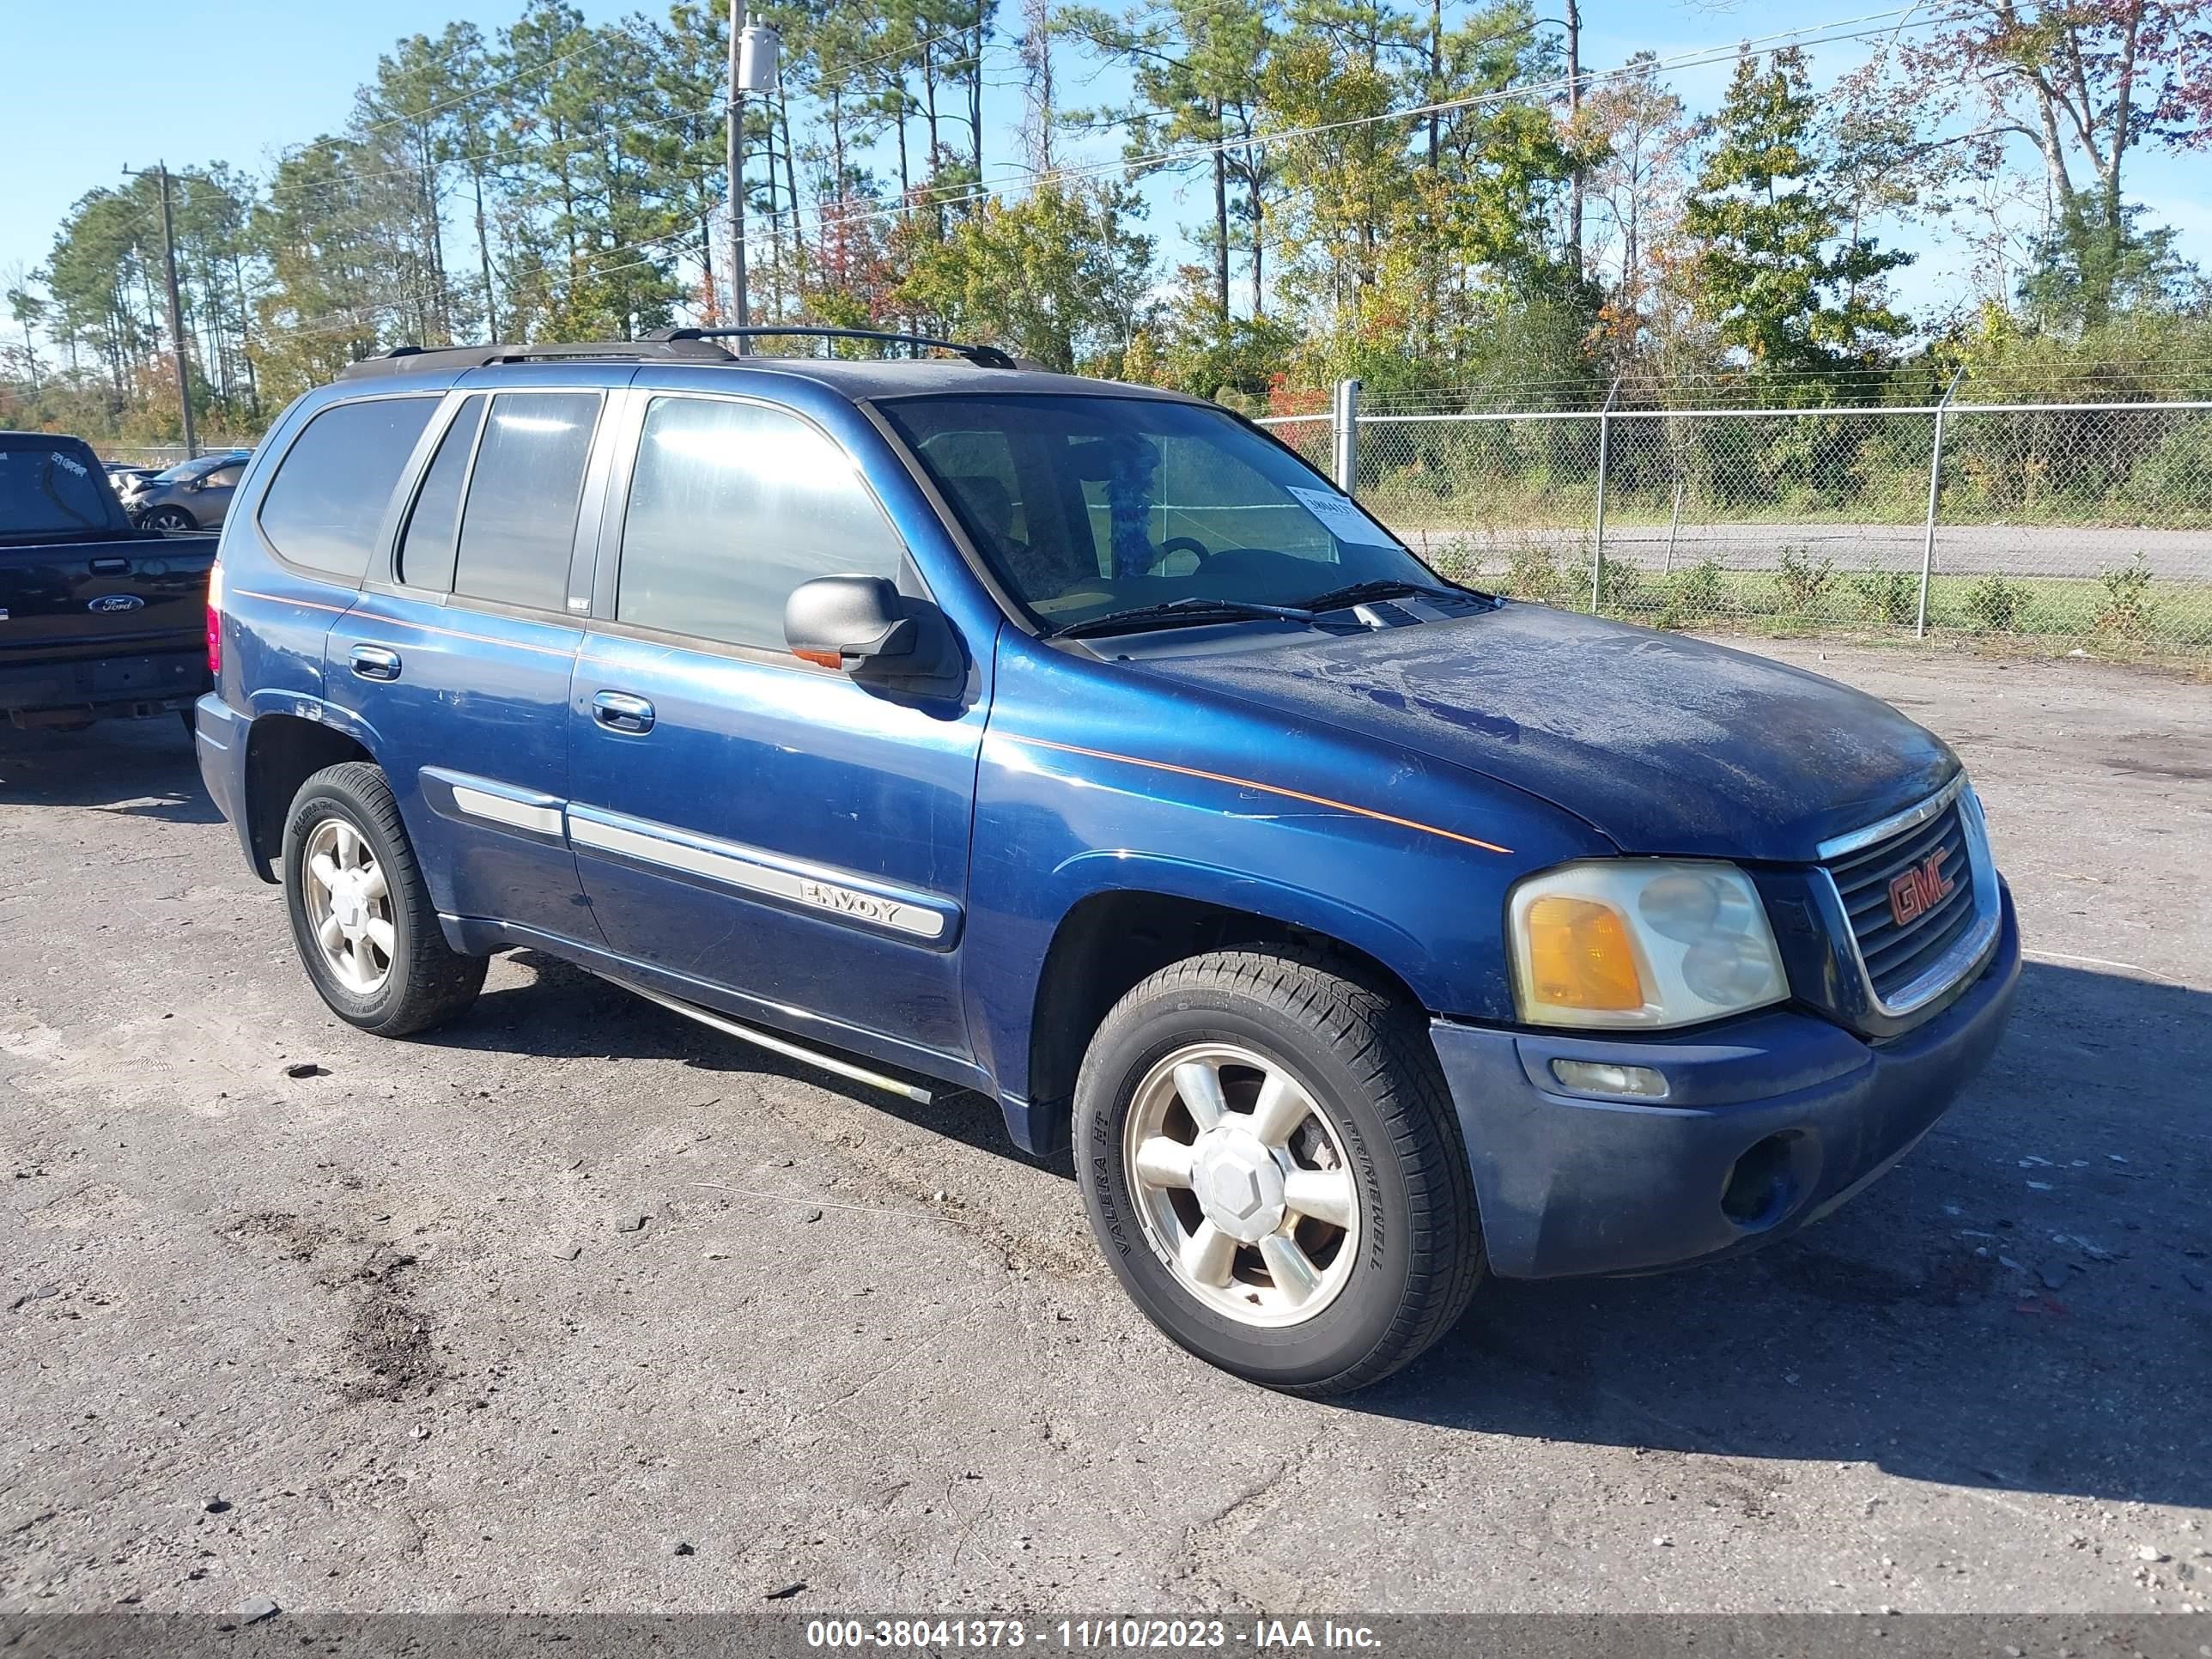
x: 1087, y: 505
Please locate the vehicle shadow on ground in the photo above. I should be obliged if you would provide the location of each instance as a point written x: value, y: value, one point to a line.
x: 2025, y: 1304
x: 135, y: 768
x: 566, y: 1012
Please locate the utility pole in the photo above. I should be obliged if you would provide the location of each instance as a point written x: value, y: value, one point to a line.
x: 1574, y: 109
x: 737, y: 159
x: 176, y: 309
x: 754, y: 47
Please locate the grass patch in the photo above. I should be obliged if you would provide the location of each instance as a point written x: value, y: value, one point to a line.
x: 2119, y: 612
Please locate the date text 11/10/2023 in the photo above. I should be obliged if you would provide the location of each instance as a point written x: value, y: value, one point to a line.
x: 1128, y: 1633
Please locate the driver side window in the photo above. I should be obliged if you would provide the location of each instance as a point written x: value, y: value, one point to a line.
x: 732, y: 506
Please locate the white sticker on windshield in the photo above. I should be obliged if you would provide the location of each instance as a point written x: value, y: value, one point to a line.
x: 1341, y: 518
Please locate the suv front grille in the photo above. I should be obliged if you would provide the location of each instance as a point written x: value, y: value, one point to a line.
x: 1896, y: 953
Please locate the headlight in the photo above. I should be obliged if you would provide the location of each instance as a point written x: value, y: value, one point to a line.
x: 1641, y: 942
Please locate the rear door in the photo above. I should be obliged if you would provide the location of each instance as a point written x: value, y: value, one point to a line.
x: 460, y: 650
x: 741, y: 817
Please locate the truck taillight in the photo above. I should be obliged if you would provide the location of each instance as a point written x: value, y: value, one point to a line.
x: 214, y: 620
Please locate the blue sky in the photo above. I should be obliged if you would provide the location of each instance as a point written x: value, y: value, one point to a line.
x: 240, y: 80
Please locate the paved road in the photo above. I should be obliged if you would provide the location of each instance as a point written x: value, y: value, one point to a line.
x: 1961, y: 550
x: 866, y: 1351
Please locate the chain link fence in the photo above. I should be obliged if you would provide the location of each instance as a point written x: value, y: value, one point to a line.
x: 2058, y: 526
x: 1314, y: 437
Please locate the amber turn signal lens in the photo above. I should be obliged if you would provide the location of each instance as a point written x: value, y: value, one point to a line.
x: 1580, y: 956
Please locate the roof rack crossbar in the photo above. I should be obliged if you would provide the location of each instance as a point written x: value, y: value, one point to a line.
x: 988, y: 356
x: 409, y: 359
x: 694, y: 345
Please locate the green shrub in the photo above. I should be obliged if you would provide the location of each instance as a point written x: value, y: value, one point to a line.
x: 1532, y: 573
x: 1890, y: 596
x: 1994, y: 606
x: 1695, y: 594
x: 2172, y: 484
x: 1623, y: 588
x: 1802, y: 583
x: 1458, y: 560
x: 2127, y: 613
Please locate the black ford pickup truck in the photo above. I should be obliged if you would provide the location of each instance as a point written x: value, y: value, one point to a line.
x: 97, y: 620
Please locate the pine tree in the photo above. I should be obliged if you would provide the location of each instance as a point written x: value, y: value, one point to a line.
x: 1778, y: 272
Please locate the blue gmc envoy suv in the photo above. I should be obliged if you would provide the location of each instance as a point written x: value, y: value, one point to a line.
x: 939, y: 718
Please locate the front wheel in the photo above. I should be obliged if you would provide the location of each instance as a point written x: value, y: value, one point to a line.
x: 169, y: 518
x: 362, y: 915
x: 1268, y: 1151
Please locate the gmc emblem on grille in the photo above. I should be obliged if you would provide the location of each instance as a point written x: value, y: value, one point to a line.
x: 1918, y: 890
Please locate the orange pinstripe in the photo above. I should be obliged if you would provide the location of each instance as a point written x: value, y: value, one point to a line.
x: 1264, y: 788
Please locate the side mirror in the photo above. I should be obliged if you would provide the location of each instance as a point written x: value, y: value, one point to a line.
x: 865, y: 627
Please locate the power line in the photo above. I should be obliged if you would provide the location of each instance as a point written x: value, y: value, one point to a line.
x: 594, y: 38
x: 713, y: 111
x: 1811, y: 34
x: 348, y: 316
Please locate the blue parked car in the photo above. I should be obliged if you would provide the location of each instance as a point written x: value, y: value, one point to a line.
x: 1359, y: 934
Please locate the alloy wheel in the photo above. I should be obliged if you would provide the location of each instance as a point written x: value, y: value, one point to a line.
x: 348, y: 906
x: 1242, y: 1184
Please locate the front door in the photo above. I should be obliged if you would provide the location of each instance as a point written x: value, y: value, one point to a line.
x: 739, y: 817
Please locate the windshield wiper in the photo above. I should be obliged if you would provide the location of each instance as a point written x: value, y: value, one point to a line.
x: 1384, y: 588
x: 1197, y: 609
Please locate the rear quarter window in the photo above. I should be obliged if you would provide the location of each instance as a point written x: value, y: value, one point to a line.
x: 325, y: 506
x: 425, y: 546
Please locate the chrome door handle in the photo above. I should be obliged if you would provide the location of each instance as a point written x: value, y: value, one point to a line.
x: 618, y: 711
x: 374, y: 662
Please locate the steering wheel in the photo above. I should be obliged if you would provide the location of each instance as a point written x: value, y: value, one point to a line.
x: 1190, y: 544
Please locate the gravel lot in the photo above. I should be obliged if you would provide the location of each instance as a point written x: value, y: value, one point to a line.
x: 388, y: 1336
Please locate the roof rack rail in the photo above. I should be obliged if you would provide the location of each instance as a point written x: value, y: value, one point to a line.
x: 986, y: 356
x: 412, y: 359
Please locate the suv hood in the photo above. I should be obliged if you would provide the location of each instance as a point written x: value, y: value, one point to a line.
x: 1664, y: 744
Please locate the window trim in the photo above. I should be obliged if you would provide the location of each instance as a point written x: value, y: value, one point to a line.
x: 391, y: 577
x: 379, y: 550
x: 614, y: 532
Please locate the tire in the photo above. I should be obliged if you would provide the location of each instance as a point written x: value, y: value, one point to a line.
x: 168, y: 518
x: 346, y: 814
x: 1379, y: 1273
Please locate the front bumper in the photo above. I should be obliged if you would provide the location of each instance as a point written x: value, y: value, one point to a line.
x: 1769, y: 1123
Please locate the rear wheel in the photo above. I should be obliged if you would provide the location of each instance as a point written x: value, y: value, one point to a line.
x: 1269, y: 1157
x: 361, y: 916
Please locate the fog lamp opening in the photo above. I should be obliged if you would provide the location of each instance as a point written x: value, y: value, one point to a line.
x: 1762, y: 1184
x: 1599, y: 1076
